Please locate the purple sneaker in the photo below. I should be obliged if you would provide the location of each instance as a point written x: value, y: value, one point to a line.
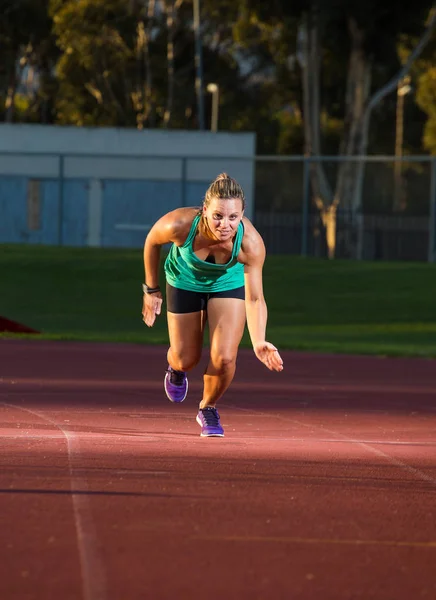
x: 176, y: 385
x: 209, y: 421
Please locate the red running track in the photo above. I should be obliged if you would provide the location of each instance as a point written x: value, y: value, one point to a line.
x: 323, y: 488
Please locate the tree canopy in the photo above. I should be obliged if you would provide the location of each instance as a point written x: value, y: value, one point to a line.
x: 131, y: 63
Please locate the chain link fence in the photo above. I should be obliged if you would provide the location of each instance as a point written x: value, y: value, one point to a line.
x: 395, y: 217
x: 44, y: 200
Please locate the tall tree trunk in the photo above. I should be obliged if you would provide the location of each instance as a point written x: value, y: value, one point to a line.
x: 142, y: 96
x: 149, y: 109
x: 308, y: 56
x: 309, y: 61
x: 139, y: 95
x: 358, y: 83
x: 170, y: 8
x: 357, y: 93
x: 328, y: 218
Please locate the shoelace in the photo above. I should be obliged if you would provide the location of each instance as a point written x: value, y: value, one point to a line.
x: 210, y: 416
x: 176, y: 377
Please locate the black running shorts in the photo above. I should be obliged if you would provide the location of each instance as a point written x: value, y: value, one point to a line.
x: 181, y: 301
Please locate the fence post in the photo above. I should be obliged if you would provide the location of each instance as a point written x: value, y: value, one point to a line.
x: 306, y: 202
x: 61, y: 199
x: 432, y: 222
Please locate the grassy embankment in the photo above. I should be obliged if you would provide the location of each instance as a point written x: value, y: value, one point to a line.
x: 337, y: 306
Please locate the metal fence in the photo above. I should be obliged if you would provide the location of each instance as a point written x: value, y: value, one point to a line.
x: 396, y: 218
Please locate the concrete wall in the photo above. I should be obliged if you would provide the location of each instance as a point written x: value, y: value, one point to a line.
x: 104, y: 186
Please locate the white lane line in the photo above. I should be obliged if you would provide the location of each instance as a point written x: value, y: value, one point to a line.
x: 147, y: 437
x: 91, y: 436
x: 93, y: 577
x: 399, y: 463
x: 142, y: 384
x: 394, y: 461
x: 317, y: 541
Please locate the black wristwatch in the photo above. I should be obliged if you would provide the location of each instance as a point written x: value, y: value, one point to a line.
x: 149, y: 290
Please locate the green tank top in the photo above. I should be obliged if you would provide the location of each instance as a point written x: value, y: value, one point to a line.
x: 184, y: 270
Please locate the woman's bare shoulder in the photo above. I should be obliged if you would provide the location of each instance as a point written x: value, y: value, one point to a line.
x: 173, y: 226
x: 180, y: 216
x: 251, y: 235
x: 179, y: 222
x: 252, y: 246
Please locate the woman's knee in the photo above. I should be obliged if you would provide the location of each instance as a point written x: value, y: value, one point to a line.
x: 223, y: 362
x: 184, y: 361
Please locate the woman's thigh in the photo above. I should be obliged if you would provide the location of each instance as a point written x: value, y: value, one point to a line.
x: 186, y: 335
x: 226, y: 317
x: 186, y: 316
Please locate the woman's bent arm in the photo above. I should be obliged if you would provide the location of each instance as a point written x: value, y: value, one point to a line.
x: 256, y: 309
x: 172, y: 227
x: 151, y: 262
x: 167, y: 229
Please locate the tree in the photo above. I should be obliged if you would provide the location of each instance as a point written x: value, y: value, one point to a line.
x: 360, y: 40
x: 426, y: 99
x: 130, y: 63
x: 424, y: 78
x: 96, y: 68
x: 26, y: 47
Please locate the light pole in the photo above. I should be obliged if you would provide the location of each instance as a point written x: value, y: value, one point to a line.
x: 198, y: 66
x: 214, y: 89
x: 403, y: 89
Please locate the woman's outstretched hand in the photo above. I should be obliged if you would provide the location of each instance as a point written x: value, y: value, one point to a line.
x: 151, y: 306
x: 269, y: 355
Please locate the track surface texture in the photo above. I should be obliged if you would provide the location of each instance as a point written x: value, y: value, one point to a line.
x: 324, y: 486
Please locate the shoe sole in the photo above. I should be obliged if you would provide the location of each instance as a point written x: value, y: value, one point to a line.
x: 208, y: 434
x: 169, y: 397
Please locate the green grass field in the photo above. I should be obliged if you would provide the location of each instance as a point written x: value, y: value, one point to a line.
x: 329, y: 306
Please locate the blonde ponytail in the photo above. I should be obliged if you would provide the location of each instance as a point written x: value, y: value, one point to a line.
x: 224, y: 188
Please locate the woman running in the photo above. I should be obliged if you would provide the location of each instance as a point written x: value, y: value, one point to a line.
x: 213, y: 274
